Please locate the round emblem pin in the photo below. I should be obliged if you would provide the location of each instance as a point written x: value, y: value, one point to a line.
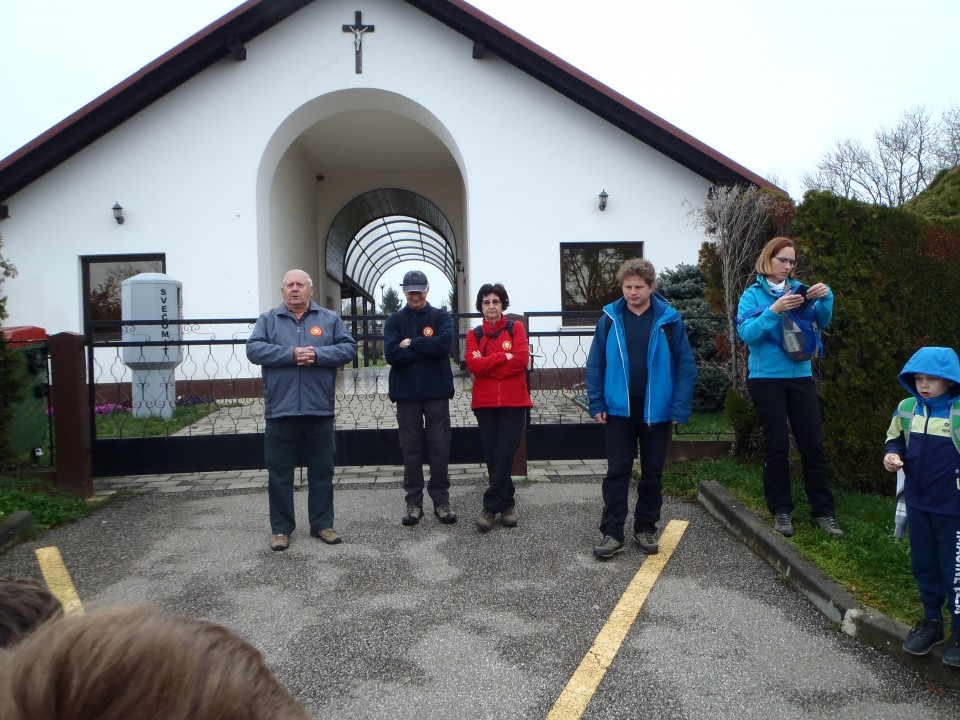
x: 428, y: 331
x: 316, y: 331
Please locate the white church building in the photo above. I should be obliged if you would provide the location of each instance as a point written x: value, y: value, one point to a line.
x: 345, y: 138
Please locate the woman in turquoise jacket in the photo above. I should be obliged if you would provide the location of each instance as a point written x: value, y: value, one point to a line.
x: 783, y: 388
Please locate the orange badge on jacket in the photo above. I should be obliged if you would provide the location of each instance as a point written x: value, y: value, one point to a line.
x: 316, y: 331
x: 507, y: 345
x: 428, y: 331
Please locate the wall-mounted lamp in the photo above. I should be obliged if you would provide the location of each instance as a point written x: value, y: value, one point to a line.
x: 459, y: 266
x: 603, y: 200
x: 118, y: 213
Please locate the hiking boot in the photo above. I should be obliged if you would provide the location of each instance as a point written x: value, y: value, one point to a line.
x: 607, y: 548
x: 830, y: 525
x: 329, y: 536
x: 444, y: 514
x: 279, y: 542
x: 647, y: 542
x: 783, y: 524
x: 923, y: 636
x: 951, y: 654
x: 485, y: 521
x: 508, y: 517
x: 414, y: 513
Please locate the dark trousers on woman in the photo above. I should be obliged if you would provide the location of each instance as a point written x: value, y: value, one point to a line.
x: 420, y: 423
x: 285, y: 439
x: 796, y: 399
x: 500, y: 430
x: 622, y: 436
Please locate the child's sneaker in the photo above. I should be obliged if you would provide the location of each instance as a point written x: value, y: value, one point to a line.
x: 951, y: 655
x: 923, y: 636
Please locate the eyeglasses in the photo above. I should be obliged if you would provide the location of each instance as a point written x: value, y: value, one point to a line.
x: 789, y: 262
x: 491, y: 302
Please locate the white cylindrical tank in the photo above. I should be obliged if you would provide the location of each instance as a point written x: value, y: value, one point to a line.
x: 152, y: 296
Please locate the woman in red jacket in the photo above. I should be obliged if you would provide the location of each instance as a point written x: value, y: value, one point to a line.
x: 497, y: 355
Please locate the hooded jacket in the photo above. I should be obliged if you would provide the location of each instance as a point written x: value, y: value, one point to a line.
x: 931, y: 463
x: 763, y: 333
x: 291, y: 389
x: 671, y: 368
x: 422, y: 371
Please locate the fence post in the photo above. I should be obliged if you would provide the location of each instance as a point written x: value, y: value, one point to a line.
x: 71, y: 414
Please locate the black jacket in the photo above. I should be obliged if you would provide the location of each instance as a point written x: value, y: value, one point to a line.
x: 421, y: 371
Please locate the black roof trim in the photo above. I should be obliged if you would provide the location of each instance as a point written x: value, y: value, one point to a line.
x: 245, y: 22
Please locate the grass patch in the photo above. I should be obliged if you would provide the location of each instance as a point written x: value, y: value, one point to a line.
x: 50, y: 506
x: 708, y: 426
x: 120, y: 423
x: 872, y: 564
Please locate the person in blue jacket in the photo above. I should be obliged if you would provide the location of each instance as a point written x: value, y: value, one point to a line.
x: 300, y: 346
x: 640, y: 378
x: 783, y: 388
x: 931, y: 466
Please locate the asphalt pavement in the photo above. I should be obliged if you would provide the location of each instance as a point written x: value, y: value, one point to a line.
x: 441, y: 621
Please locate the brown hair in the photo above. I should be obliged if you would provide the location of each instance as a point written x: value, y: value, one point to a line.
x: 640, y: 267
x: 136, y: 661
x: 25, y: 604
x: 764, y: 264
x: 499, y: 290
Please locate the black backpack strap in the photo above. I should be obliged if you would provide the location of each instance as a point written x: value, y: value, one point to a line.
x: 478, y: 331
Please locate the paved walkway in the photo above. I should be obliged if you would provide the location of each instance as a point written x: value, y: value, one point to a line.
x: 544, y: 471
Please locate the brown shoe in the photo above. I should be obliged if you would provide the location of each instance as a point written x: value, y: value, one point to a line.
x: 279, y: 542
x: 485, y: 521
x: 329, y: 536
x: 508, y: 517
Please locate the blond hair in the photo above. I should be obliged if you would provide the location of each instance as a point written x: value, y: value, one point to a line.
x: 764, y: 264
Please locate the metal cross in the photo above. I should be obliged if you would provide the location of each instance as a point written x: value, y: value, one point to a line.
x: 358, y: 29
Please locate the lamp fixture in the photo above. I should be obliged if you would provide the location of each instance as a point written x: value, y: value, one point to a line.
x: 603, y: 200
x: 118, y: 213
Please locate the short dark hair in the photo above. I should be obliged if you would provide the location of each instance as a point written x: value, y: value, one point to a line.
x: 496, y: 289
x: 25, y: 604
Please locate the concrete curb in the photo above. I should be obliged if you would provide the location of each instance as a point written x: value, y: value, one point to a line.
x: 15, y: 527
x: 832, y: 599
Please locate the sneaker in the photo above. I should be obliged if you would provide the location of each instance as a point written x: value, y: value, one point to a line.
x: 508, y: 517
x: 783, y: 524
x: 485, y: 521
x: 923, y: 636
x: 829, y: 524
x: 607, y: 548
x: 329, y: 536
x: 443, y: 513
x: 647, y: 542
x: 951, y: 655
x: 279, y: 542
x: 414, y: 513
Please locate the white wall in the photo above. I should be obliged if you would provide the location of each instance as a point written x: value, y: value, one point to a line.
x: 211, y: 175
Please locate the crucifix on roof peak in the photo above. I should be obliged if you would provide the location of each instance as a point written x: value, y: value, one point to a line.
x: 358, y: 29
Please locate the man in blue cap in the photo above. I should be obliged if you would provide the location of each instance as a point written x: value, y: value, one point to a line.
x: 417, y: 342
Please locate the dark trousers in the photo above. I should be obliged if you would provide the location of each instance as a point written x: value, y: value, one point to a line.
x: 425, y: 423
x: 796, y: 399
x: 622, y: 436
x: 285, y: 439
x: 935, y: 562
x: 500, y: 430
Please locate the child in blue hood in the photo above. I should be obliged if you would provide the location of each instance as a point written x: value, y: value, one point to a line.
x: 931, y: 466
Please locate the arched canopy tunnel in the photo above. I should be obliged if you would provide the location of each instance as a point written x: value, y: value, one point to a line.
x: 382, y: 228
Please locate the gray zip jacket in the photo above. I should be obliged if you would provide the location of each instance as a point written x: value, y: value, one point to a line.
x: 291, y: 389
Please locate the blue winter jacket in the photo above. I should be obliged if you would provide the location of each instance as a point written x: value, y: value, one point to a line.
x: 763, y: 333
x: 421, y: 371
x: 291, y: 389
x: 671, y: 367
x: 931, y: 463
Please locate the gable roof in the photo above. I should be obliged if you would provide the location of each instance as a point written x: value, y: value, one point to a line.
x: 226, y: 36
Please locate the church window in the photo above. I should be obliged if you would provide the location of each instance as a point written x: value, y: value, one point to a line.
x: 588, y: 276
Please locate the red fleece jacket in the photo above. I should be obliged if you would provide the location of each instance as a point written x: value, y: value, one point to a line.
x: 499, y: 382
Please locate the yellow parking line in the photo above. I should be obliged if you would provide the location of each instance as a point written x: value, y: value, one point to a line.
x: 58, y: 579
x: 585, y: 681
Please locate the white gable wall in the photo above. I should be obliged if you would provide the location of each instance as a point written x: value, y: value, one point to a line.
x: 211, y: 174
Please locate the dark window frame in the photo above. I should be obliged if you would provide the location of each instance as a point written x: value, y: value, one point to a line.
x: 619, y: 251
x: 87, y: 260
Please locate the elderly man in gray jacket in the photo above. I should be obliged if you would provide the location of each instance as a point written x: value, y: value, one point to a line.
x: 300, y: 346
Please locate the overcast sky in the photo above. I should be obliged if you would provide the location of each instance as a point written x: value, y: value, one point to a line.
x: 772, y: 84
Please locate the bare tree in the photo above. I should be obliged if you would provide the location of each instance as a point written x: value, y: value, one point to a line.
x: 899, y: 165
x: 736, y: 219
